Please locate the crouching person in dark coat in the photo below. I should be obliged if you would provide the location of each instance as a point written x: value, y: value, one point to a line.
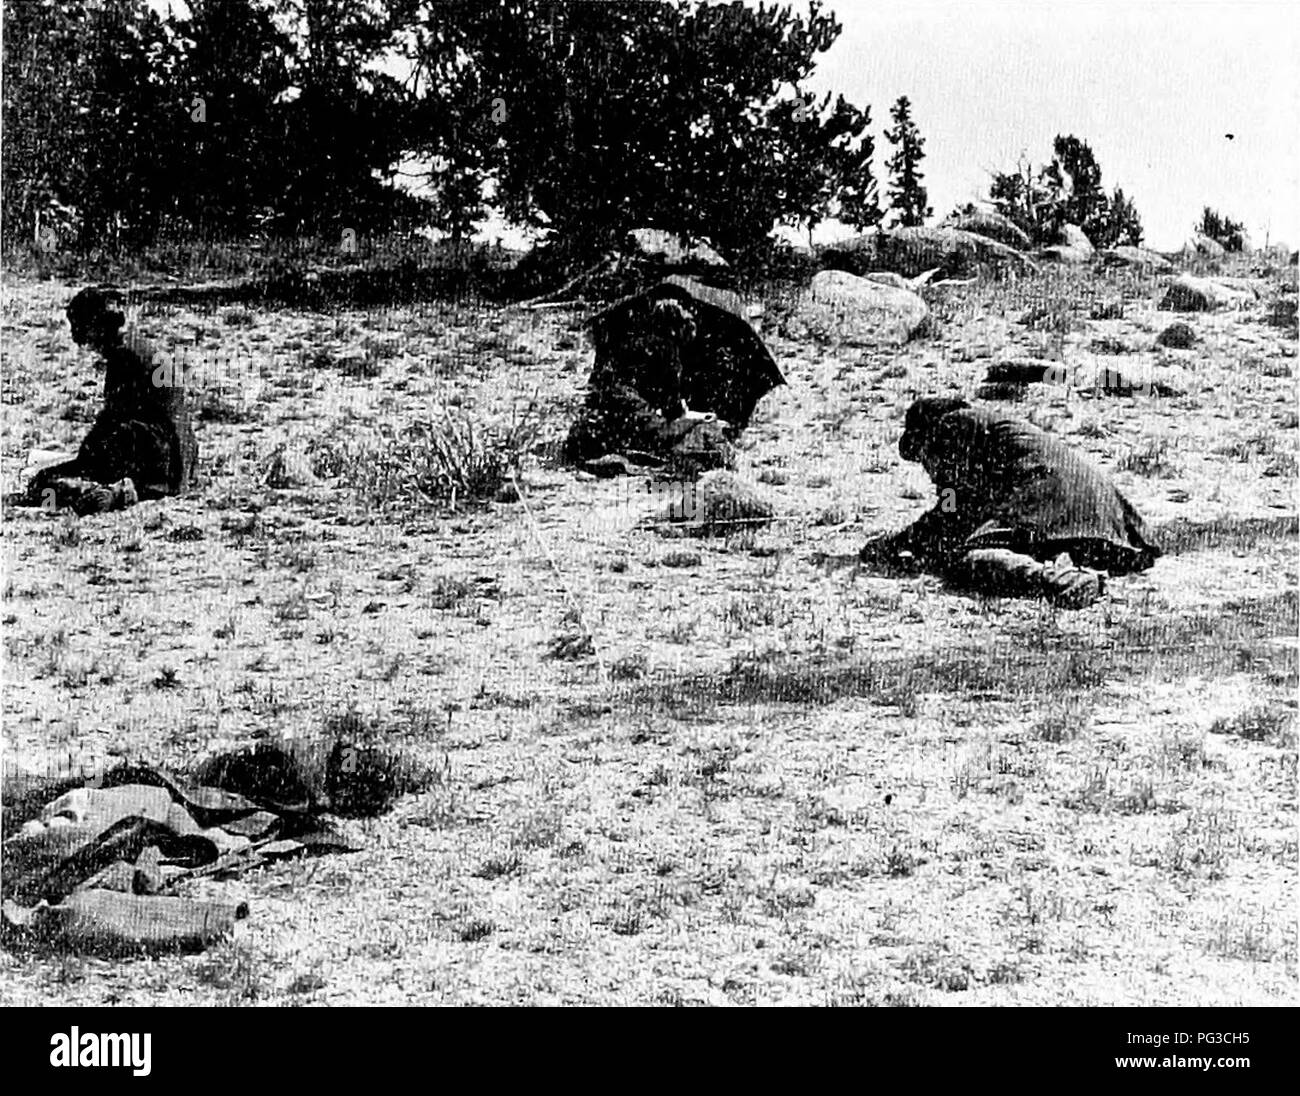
x: 675, y: 381
x: 1019, y: 512
x: 141, y: 445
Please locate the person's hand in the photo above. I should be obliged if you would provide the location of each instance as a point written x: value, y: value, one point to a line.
x: 697, y: 416
x: 889, y: 553
x: 879, y: 549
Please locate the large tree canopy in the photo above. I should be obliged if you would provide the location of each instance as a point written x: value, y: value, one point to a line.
x: 297, y: 114
x: 683, y: 116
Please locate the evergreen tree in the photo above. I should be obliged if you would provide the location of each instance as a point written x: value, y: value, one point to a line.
x: 907, y: 197
x: 678, y: 116
x: 1231, y: 234
x: 1065, y: 191
x: 1074, y: 180
x: 1122, y: 225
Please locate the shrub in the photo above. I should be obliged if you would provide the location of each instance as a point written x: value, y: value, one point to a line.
x: 446, y: 459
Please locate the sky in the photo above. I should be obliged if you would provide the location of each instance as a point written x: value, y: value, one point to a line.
x: 1153, y: 87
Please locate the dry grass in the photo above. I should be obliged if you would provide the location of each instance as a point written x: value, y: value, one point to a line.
x: 790, y: 784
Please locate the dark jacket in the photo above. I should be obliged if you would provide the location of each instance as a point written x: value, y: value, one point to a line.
x: 1007, y: 484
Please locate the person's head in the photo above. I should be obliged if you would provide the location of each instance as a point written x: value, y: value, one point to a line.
x: 670, y: 330
x: 671, y: 322
x: 94, y: 320
x: 922, y: 417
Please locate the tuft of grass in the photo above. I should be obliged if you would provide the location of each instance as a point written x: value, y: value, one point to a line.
x: 211, y: 406
x: 496, y: 867
x: 538, y: 830
x: 1248, y: 936
x: 1203, y: 847
x: 1064, y: 721
x: 629, y: 668
x: 234, y: 973
x: 571, y: 646
x: 1262, y: 723
x: 1151, y: 459
x: 449, y: 459
x: 474, y: 931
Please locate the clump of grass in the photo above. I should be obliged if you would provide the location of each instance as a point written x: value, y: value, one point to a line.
x: 448, y: 592
x: 1282, y: 464
x: 448, y: 459
x: 1006, y: 973
x: 1262, y: 723
x: 167, y: 679
x: 629, y: 668
x: 1243, y: 936
x: 476, y: 930
x: 1203, y: 847
x: 498, y: 866
x: 1151, y: 459
x: 1057, y: 317
x: 1109, y: 344
x: 899, y: 864
x: 1261, y: 443
x: 1093, y: 794
x: 929, y: 966
x: 538, y: 830
x: 68, y: 533
x: 570, y: 646
x: 211, y: 406
x: 234, y: 973
x: 1063, y: 722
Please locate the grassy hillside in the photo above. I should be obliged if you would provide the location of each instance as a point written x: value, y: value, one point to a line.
x: 678, y: 771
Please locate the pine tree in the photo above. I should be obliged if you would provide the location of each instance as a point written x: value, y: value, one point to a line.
x: 1065, y: 191
x: 1231, y: 234
x: 1122, y: 225
x: 907, y: 197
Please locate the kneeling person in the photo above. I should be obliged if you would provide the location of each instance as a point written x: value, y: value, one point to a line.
x: 1019, y: 512
x: 141, y: 444
x: 675, y: 381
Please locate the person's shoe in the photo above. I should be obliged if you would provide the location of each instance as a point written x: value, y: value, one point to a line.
x: 100, y: 498
x: 1069, y: 586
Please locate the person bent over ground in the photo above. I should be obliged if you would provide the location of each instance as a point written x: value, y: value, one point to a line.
x: 141, y: 444
x: 1019, y: 512
x: 676, y: 380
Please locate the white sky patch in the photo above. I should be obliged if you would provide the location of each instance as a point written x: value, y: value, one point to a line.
x: 1154, y: 88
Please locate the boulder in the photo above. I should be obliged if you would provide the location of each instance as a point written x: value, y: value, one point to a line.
x: 720, y: 502
x: 1177, y: 336
x: 888, y: 277
x: 1137, y: 258
x: 913, y: 251
x: 1253, y: 287
x: 1200, y: 246
x: 1074, y: 236
x: 673, y: 250
x: 1072, y: 246
x: 1188, y: 293
x: 857, y: 311
x: 994, y: 226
